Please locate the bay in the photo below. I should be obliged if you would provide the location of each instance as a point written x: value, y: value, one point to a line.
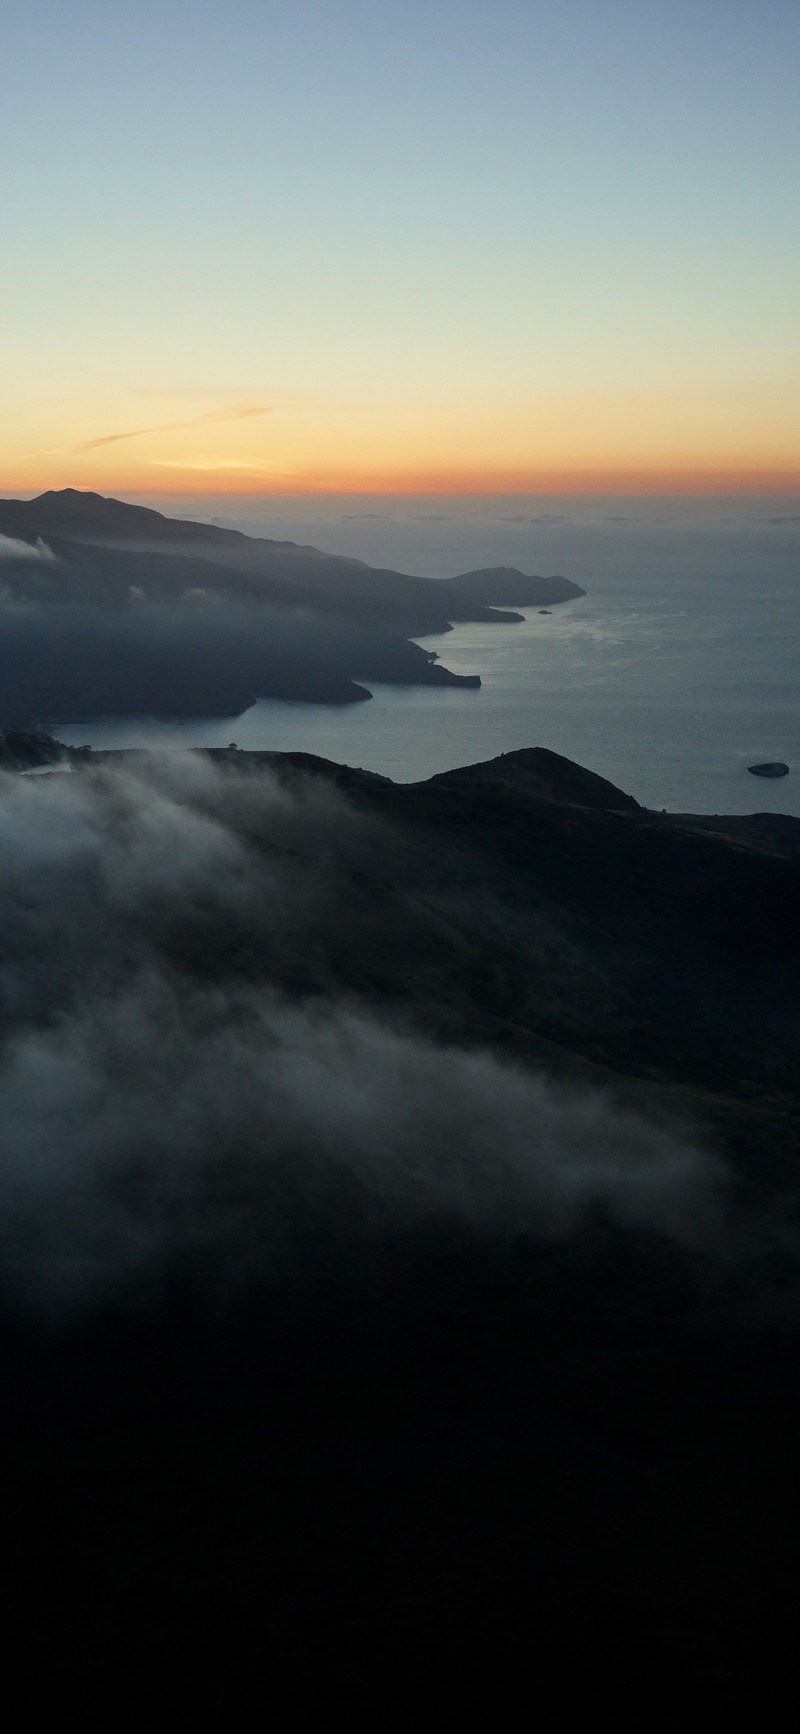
x: 677, y: 670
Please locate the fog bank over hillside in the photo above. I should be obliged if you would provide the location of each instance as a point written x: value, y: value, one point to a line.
x: 158, y: 1109
x: 398, y: 1233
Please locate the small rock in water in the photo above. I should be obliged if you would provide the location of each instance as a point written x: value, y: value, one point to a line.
x: 773, y: 768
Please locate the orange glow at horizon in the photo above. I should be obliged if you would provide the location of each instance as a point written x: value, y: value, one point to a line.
x: 599, y: 481
x: 477, y: 482
x: 611, y: 441
x: 474, y: 256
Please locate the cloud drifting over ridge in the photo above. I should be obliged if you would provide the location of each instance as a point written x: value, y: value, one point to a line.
x: 11, y: 548
x: 155, y: 1113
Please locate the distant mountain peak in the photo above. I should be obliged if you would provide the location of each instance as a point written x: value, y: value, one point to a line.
x: 501, y: 586
x: 72, y: 494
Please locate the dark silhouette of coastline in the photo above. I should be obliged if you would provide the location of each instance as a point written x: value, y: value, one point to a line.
x: 116, y: 610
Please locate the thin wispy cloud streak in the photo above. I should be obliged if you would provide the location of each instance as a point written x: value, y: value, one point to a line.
x: 211, y: 418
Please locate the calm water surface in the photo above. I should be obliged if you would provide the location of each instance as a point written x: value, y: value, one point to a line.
x: 670, y: 685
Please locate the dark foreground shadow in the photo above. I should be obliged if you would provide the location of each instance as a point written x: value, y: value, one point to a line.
x: 562, y: 1478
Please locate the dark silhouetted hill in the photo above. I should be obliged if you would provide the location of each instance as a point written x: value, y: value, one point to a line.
x: 504, y: 584
x: 429, y: 1460
x: 395, y: 596
x: 127, y: 612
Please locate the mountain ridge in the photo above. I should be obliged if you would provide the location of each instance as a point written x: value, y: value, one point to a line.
x: 76, y: 515
x: 126, y: 613
x: 353, y: 1396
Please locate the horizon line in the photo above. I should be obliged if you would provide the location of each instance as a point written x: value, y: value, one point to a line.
x: 653, y: 484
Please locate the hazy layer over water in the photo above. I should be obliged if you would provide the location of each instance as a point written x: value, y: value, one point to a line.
x: 677, y: 670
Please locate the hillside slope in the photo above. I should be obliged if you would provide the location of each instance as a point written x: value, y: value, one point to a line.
x: 399, y: 1268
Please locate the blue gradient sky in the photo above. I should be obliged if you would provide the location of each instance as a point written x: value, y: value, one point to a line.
x: 455, y: 245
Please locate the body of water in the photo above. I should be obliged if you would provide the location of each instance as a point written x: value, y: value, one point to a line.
x: 677, y: 670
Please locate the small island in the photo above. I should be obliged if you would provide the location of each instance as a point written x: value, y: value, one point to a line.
x: 772, y: 768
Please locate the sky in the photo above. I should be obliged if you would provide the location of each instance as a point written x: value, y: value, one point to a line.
x: 526, y: 246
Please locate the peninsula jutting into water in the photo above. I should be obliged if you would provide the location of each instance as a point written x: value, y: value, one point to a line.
x: 118, y: 611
